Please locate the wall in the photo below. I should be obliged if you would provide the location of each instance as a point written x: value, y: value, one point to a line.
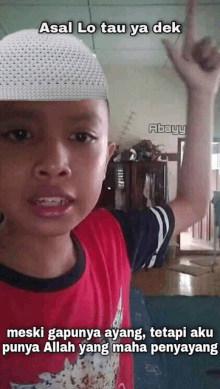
x: 156, y: 95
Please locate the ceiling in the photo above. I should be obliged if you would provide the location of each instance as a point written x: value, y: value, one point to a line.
x: 118, y: 49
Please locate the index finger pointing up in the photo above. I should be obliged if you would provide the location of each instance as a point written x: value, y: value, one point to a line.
x: 189, y: 38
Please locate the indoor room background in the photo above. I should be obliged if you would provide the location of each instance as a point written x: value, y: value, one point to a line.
x: 144, y: 87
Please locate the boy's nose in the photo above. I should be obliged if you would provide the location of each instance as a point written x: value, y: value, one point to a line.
x: 52, y: 171
x: 53, y: 163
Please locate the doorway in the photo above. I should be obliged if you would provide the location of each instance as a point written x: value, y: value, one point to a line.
x: 199, y: 238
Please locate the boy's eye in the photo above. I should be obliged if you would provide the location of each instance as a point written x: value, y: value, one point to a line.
x: 17, y: 135
x: 22, y: 135
x: 82, y: 137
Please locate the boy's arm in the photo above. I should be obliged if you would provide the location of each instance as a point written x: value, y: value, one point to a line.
x: 194, y: 190
x: 199, y: 68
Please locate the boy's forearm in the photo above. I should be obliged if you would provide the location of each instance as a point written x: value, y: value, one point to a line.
x: 195, y: 174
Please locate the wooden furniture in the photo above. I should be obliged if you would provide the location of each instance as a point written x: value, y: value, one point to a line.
x: 124, y: 185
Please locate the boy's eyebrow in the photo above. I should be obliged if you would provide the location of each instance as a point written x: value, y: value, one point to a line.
x: 90, y: 116
x: 18, y: 112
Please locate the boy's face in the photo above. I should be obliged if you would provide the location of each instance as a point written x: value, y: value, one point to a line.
x: 51, y: 145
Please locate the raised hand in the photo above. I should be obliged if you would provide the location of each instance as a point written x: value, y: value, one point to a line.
x: 199, y: 62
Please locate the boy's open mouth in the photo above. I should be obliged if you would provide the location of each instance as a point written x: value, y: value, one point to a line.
x: 51, y: 207
x: 52, y: 201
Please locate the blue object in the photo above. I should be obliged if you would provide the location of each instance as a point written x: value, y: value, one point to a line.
x: 165, y: 370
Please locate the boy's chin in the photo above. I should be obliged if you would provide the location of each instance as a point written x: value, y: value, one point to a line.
x: 42, y: 227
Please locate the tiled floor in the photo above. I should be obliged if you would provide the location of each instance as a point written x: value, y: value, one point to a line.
x: 168, y: 282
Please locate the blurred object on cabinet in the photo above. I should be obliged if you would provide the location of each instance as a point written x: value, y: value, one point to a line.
x: 134, y: 185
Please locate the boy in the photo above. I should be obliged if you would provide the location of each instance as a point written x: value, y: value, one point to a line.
x: 64, y: 266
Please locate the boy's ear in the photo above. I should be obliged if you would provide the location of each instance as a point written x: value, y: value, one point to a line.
x: 111, y: 150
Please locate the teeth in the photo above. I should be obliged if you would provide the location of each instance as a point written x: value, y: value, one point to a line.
x: 50, y: 201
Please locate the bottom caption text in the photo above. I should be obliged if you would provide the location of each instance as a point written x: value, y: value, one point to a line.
x: 164, y: 340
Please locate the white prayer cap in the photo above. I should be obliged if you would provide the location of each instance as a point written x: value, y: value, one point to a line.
x: 50, y: 66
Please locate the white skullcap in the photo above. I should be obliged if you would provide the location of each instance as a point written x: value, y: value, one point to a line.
x: 44, y: 66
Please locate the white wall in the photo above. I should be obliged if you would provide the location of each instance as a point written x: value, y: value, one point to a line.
x: 156, y: 95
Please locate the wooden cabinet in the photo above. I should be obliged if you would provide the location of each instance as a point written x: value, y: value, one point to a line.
x: 125, y: 182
